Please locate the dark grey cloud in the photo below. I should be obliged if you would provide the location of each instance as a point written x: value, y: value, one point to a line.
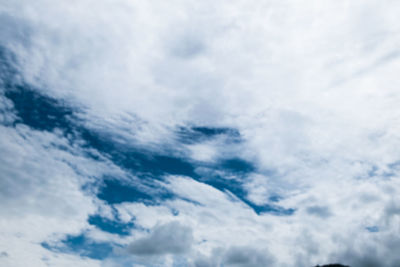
x: 213, y: 260
x: 247, y: 257
x: 236, y: 256
x: 376, y: 251
x: 170, y: 238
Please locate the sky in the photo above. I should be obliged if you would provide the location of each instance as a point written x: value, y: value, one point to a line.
x: 199, y: 133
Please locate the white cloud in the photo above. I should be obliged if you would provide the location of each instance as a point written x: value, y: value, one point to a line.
x: 41, y: 195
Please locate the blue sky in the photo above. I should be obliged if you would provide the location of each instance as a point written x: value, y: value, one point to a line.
x: 200, y: 134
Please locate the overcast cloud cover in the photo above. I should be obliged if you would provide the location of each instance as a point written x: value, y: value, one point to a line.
x: 199, y: 133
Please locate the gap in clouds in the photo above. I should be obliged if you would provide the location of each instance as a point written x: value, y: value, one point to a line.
x: 82, y: 246
x: 111, y: 226
x: 200, y: 134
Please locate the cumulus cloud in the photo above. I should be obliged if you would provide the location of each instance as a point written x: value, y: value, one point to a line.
x: 41, y: 197
x: 171, y: 238
x: 235, y: 256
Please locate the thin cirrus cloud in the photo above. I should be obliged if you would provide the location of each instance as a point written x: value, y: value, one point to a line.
x: 244, y: 133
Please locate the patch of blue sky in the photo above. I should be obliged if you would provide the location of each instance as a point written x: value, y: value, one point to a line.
x: 274, y: 198
x: 111, y: 226
x: 38, y: 111
x: 137, y: 160
x: 115, y: 192
x: 237, y: 166
x: 83, y: 246
x: 271, y: 209
x: 198, y: 134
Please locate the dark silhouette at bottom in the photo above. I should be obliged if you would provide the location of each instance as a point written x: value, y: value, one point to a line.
x: 332, y: 265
